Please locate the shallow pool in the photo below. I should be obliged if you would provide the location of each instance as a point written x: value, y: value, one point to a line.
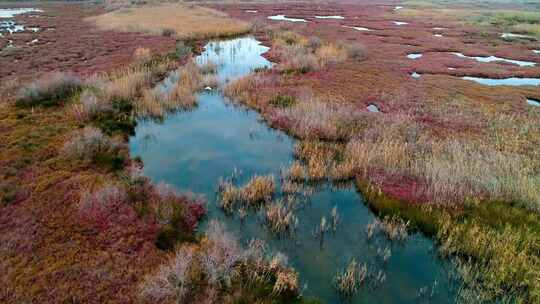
x: 193, y: 150
x: 497, y: 59
x: 284, y: 18
x: 513, y: 81
x: 414, y: 56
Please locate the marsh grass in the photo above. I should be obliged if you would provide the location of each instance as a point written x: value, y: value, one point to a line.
x: 183, y: 21
x: 257, y: 191
x: 300, y: 54
x: 280, y: 217
x: 90, y: 144
x: 178, y: 91
x: 49, y: 90
x: 348, y: 281
x: 218, y: 266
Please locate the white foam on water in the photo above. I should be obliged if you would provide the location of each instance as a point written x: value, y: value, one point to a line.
x: 438, y: 35
x: 400, y: 23
x: 252, y: 11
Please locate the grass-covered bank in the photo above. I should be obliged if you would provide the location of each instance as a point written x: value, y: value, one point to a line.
x: 520, y: 17
x: 81, y: 223
x: 183, y: 21
x: 476, y: 197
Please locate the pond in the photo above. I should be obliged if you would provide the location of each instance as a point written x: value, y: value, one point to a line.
x: 10, y: 26
x: 533, y: 102
x: 512, y: 81
x: 400, y: 23
x: 193, y: 150
x: 497, y: 59
x: 330, y: 17
x: 359, y: 28
x: 415, y: 56
x: 283, y: 18
x: 12, y: 12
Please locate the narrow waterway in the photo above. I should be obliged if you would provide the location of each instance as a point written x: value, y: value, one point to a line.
x: 193, y: 150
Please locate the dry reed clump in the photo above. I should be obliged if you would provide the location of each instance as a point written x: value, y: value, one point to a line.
x: 259, y: 189
x: 50, y: 89
x: 311, y: 118
x: 177, y: 91
x: 90, y: 143
x: 280, y: 218
x: 320, y: 158
x: 172, y: 280
x: 240, y: 89
x: 142, y: 55
x: 91, y: 105
x: 185, y: 21
x: 300, y: 54
x: 229, y: 196
x: 217, y: 265
x: 295, y: 172
x: 349, y: 280
x: 127, y: 85
x: 394, y: 228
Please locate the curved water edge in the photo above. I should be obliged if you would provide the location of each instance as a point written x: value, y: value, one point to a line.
x: 512, y: 81
x: 10, y: 26
x: 193, y: 150
x: 284, y: 18
x: 488, y: 59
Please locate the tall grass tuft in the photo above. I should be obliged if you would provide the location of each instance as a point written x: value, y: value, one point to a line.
x: 50, y: 89
x: 280, y: 218
x: 348, y: 281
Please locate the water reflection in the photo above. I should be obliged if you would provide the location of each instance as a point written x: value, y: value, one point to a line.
x: 193, y: 150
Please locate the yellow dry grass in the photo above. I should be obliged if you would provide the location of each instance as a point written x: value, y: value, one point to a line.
x: 186, y: 22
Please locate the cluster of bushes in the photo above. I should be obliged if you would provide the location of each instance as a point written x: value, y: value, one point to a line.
x: 90, y: 144
x: 217, y: 267
x: 174, y: 214
x: 49, y: 90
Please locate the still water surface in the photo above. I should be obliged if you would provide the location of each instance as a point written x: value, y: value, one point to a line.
x: 193, y: 150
